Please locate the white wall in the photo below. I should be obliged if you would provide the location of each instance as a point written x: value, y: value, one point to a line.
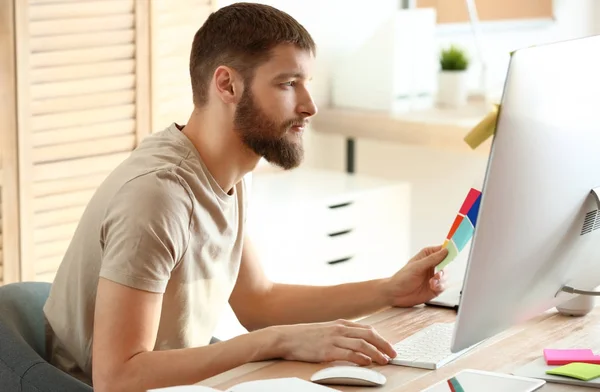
x: 573, y: 19
x: 338, y: 26
x: 440, y: 179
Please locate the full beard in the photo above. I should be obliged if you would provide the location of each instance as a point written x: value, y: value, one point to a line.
x: 265, y: 137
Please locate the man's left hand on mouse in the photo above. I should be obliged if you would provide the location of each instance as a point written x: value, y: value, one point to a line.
x: 417, y: 282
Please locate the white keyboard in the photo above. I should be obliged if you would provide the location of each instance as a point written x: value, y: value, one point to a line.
x: 428, y: 349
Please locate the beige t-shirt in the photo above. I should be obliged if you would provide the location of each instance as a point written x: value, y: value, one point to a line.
x: 160, y: 223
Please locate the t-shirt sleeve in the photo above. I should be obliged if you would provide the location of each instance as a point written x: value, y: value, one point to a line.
x: 145, y: 231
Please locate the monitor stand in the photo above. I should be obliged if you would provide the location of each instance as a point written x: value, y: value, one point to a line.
x: 585, y: 301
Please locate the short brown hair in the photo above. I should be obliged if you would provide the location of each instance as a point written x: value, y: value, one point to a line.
x: 241, y: 36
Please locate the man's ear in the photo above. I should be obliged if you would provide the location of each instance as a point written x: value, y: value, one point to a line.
x: 229, y: 84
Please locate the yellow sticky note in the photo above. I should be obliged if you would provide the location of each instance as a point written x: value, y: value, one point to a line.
x: 581, y: 371
x: 483, y: 130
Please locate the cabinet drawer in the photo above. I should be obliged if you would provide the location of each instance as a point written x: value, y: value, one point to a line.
x: 338, y: 246
x: 339, y: 216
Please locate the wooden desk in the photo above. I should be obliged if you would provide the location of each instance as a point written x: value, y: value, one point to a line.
x: 503, y: 353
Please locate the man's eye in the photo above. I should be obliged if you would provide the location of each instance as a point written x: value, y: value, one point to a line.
x: 289, y: 84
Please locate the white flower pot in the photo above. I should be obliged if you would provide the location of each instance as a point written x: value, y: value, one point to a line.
x: 452, y: 88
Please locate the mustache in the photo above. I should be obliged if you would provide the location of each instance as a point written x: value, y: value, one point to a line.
x: 296, y: 122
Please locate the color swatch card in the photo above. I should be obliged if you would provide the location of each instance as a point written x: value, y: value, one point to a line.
x: 462, y: 228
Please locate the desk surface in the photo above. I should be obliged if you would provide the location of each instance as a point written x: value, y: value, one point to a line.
x: 503, y: 353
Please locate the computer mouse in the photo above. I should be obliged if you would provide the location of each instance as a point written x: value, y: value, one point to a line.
x: 349, y: 375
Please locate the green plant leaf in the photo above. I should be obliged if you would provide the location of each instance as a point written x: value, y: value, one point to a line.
x: 453, y: 59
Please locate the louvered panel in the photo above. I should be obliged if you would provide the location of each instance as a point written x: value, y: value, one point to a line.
x: 81, y: 118
x: 95, y: 131
x: 173, y: 95
x: 47, y: 28
x: 162, y: 6
x: 61, y: 186
x: 82, y: 71
x: 63, y: 200
x: 179, y: 79
x: 47, y: 266
x: 171, y: 34
x: 35, y: 2
x: 82, y: 56
x: 77, y: 167
x: 79, y: 9
x: 46, y: 277
x: 74, y: 41
x: 170, y: 41
x: 99, y: 100
x: 82, y: 149
x: 82, y: 110
x: 51, y: 249
x: 83, y: 87
x: 173, y: 30
x: 173, y: 111
x: 193, y: 13
x: 58, y: 217
x: 53, y: 233
x: 168, y: 63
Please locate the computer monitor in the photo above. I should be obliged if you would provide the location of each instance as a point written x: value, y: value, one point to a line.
x: 538, y: 227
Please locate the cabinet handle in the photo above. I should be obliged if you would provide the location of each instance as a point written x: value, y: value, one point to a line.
x: 338, y: 261
x: 338, y: 233
x: 340, y: 205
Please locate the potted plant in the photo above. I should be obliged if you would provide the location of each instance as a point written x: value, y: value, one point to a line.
x: 452, y: 77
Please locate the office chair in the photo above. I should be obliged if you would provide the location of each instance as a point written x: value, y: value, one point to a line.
x: 23, y: 366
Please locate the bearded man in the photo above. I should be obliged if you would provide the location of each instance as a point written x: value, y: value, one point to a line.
x: 161, y: 247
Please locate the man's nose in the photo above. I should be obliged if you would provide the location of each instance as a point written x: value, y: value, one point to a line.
x: 308, y: 107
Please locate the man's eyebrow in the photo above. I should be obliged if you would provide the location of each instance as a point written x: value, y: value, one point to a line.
x: 290, y: 75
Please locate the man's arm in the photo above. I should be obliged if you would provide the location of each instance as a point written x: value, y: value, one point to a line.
x: 126, y: 323
x: 125, y: 328
x: 291, y: 304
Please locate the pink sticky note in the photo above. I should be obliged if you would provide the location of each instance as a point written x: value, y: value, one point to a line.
x: 565, y: 357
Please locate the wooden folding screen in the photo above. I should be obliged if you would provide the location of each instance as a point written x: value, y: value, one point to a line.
x: 173, y: 30
x: 86, y: 81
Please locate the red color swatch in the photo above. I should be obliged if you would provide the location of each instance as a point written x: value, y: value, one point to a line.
x: 468, y: 203
x: 455, y: 225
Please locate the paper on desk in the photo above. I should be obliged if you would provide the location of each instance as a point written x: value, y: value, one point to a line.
x: 287, y: 384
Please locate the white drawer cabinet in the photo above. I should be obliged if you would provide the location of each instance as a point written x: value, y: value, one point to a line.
x: 320, y: 228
